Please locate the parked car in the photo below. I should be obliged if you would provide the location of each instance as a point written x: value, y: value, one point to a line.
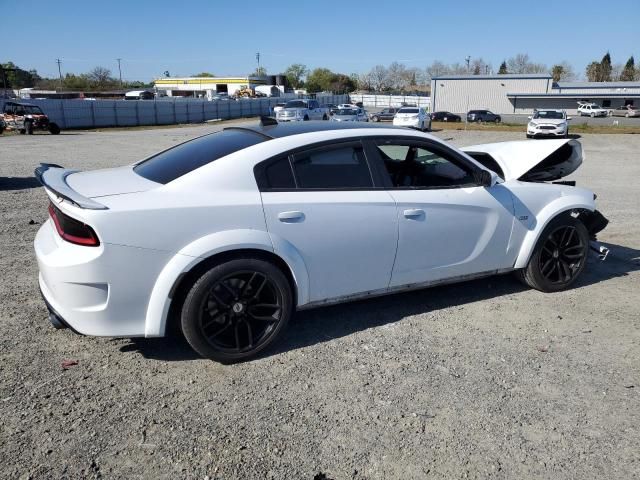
x: 139, y: 95
x: 385, y: 115
x: 268, y: 219
x: 277, y: 108
x: 483, y: 116
x: 350, y: 115
x: 415, y: 117
x: 27, y: 118
x: 626, y: 111
x: 333, y: 108
x: 592, y: 110
x: 548, y: 123
x: 445, y: 117
x: 299, y: 110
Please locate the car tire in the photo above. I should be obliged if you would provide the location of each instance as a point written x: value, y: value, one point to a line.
x: 593, y: 115
x: 22, y: 131
x: 324, y: 117
x: 375, y: 119
x: 54, y: 129
x: 28, y: 128
x: 497, y: 120
x: 529, y: 136
x: 559, y: 257
x: 306, y: 118
x: 216, y: 316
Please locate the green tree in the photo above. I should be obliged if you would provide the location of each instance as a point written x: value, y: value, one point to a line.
x: 341, y: 83
x: 556, y: 72
x: 605, y: 68
x: 629, y: 71
x: 295, y: 74
x: 259, y: 72
x: 319, y: 79
x: 503, y: 68
x: 204, y: 75
x: 16, y: 77
x: 76, y: 82
x: 593, y: 72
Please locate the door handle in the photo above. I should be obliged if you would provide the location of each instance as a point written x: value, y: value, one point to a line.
x: 413, y: 213
x: 291, y: 217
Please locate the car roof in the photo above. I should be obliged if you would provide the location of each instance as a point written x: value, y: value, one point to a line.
x: 21, y: 104
x: 296, y: 128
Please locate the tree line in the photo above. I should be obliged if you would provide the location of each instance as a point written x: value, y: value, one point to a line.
x: 396, y: 77
x: 98, y: 79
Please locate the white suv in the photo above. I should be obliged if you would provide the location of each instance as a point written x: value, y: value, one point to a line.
x: 415, y: 117
x: 592, y: 110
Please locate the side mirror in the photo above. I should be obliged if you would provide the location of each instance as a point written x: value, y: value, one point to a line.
x: 568, y: 118
x: 485, y: 178
x: 529, y: 117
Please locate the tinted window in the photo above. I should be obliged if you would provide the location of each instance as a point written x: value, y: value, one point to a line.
x: 408, y: 110
x: 279, y: 175
x: 337, y: 167
x: 418, y: 166
x: 186, y: 157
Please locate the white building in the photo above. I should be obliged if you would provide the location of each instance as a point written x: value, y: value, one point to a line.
x: 207, y: 87
x: 512, y: 93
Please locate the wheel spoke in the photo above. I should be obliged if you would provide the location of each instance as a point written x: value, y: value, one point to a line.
x: 545, y: 268
x: 218, y: 300
x: 247, y: 285
x: 222, y: 330
x: 259, y: 290
x: 213, y: 319
x: 237, y: 336
x: 573, y: 256
x: 573, y: 247
x: 249, y: 333
x: 233, y: 293
x: 565, y: 270
x: 264, y: 318
x: 568, y: 241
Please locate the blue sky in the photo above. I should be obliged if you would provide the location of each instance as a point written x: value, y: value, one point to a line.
x: 346, y: 36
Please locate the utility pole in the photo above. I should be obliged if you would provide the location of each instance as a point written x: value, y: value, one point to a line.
x: 468, y: 59
x: 258, y: 60
x: 59, y: 62
x: 119, y: 70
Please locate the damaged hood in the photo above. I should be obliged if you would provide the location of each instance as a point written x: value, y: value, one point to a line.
x: 527, y: 160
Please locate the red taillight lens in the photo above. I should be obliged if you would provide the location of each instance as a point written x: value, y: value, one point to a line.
x: 73, y: 230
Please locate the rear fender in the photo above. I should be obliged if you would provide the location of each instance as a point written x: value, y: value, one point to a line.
x: 203, y: 248
x: 560, y: 206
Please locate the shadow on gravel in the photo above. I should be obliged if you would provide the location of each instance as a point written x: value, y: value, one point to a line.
x: 325, y: 324
x: 18, y: 183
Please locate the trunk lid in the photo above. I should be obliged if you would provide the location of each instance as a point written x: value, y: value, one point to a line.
x: 529, y: 160
x: 109, y: 181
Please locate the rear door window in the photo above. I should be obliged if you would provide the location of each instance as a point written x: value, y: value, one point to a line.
x: 184, y: 158
x: 341, y: 166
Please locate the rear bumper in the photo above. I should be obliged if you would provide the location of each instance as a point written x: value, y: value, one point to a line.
x: 101, y: 291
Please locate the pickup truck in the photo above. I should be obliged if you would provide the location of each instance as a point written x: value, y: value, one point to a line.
x: 299, y: 110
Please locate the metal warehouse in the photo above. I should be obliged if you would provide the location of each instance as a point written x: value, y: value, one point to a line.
x: 513, y: 93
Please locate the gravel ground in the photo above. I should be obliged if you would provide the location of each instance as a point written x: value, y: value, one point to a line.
x: 483, y: 379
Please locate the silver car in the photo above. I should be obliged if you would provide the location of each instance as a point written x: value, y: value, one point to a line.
x: 350, y: 115
x: 626, y: 111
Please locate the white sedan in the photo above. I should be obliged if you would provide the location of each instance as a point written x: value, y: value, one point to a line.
x: 414, y: 117
x: 226, y: 235
x: 545, y: 123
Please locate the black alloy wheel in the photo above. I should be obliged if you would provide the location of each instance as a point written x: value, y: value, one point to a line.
x: 559, y: 257
x: 562, y: 255
x: 236, y: 310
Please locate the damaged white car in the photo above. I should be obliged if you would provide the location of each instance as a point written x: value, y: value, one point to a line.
x: 228, y: 234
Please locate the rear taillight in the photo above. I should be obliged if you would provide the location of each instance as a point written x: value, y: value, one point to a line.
x: 73, y: 230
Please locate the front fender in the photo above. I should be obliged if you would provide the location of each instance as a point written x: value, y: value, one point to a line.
x: 557, y: 207
x: 191, y: 255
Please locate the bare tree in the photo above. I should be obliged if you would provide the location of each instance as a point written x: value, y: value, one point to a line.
x: 380, y: 78
x: 100, y: 76
x: 522, y: 64
x: 436, y: 69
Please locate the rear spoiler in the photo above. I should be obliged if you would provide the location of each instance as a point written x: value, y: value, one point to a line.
x: 53, y: 178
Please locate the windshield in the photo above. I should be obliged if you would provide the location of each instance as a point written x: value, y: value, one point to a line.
x: 32, y: 109
x: 408, y: 110
x: 295, y: 104
x: 347, y: 111
x: 548, y: 114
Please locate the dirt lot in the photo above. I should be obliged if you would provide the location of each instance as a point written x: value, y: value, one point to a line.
x: 484, y: 379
